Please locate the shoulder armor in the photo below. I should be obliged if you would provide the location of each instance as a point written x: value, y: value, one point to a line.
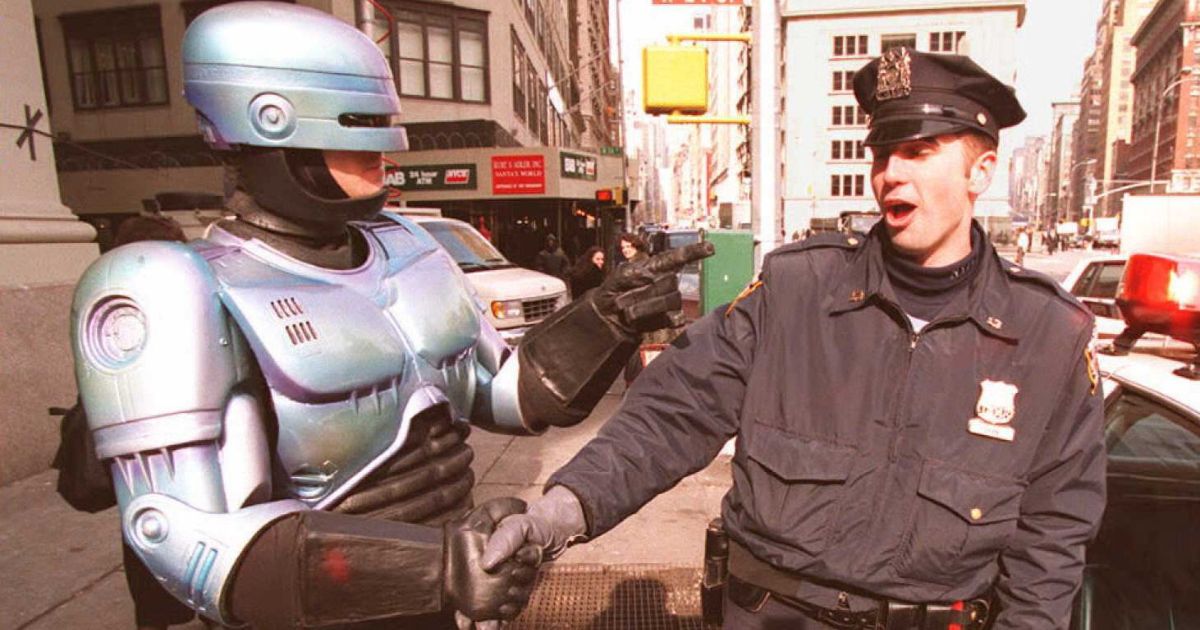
x: 150, y: 339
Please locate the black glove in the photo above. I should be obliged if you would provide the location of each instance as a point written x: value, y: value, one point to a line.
x: 570, y: 359
x: 639, y: 296
x: 552, y: 523
x: 503, y: 591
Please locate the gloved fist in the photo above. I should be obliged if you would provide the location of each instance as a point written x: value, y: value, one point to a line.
x: 638, y: 296
x: 501, y: 591
x: 551, y: 523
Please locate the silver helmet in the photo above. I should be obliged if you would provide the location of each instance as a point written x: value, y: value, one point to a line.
x: 278, y: 75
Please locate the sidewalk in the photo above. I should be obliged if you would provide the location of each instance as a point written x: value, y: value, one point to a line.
x: 63, y: 568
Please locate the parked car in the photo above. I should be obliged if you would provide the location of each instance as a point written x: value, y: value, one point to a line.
x: 1094, y: 281
x: 1142, y: 569
x: 514, y: 298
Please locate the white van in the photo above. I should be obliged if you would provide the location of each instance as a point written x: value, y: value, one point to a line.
x: 514, y: 298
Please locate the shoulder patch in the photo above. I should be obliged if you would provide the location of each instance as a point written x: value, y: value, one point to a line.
x: 743, y: 295
x: 1093, y: 369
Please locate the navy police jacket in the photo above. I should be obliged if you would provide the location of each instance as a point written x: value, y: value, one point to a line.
x: 920, y: 466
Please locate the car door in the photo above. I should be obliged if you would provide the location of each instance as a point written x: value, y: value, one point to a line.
x: 1143, y: 568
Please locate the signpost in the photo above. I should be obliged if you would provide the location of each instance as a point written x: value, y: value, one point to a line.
x: 431, y: 177
x: 518, y: 175
x: 576, y: 166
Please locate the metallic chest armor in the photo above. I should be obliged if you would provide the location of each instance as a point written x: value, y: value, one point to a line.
x: 350, y: 357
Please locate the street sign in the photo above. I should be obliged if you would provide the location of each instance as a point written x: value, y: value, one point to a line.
x: 610, y: 151
x: 518, y: 175
x: 576, y: 166
x: 431, y: 177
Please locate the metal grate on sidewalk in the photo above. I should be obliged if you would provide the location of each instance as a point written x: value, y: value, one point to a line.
x: 614, y: 597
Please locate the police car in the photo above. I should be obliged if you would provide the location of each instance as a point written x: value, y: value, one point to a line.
x: 1143, y: 569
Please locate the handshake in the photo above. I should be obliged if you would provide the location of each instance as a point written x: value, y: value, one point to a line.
x: 492, y: 553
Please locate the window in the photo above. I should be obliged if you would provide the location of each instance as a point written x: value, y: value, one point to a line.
x: 888, y: 42
x: 846, y: 185
x: 116, y: 58
x: 847, y: 150
x: 843, y: 80
x: 850, y: 46
x: 519, y: 71
x: 947, y: 42
x: 443, y: 53
x: 848, y: 116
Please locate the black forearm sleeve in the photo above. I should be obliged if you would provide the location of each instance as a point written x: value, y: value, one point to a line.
x: 319, y: 568
x: 567, y: 363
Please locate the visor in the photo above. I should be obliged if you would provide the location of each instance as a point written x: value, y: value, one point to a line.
x: 903, y: 130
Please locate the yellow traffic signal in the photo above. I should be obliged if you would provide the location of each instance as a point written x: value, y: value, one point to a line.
x: 619, y: 195
x: 675, y: 79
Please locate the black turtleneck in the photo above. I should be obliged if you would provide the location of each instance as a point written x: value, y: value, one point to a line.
x: 924, y: 291
x: 321, y: 246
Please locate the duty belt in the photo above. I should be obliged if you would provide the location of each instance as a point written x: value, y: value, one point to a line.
x: 759, y: 581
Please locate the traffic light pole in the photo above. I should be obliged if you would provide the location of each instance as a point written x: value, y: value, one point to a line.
x: 764, y: 129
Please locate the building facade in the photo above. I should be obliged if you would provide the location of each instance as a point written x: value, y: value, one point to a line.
x: 511, y: 108
x: 1087, y: 143
x: 1064, y: 118
x: 729, y: 95
x: 43, y: 250
x: 1166, y: 102
x: 826, y: 167
x: 1025, y: 177
x: 1119, y: 20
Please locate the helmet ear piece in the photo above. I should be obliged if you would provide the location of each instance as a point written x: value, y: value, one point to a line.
x: 272, y: 117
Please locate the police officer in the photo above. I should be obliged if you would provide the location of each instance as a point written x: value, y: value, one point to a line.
x: 919, y: 428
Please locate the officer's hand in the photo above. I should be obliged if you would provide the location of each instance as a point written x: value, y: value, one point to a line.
x: 551, y: 523
x: 638, y: 295
x: 501, y: 591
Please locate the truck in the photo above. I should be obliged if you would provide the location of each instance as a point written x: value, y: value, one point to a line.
x: 1106, y: 232
x: 1160, y: 223
x: 513, y: 298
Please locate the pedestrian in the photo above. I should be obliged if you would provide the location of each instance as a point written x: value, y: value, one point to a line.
x: 551, y: 260
x: 632, y: 247
x: 918, y: 419
x: 588, y: 272
x: 1022, y: 245
x: 282, y: 405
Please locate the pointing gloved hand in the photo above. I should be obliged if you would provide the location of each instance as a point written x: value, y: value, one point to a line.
x: 552, y: 522
x: 500, y: 590
x: 638, y: 296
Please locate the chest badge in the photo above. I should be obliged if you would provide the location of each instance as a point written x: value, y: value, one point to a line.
x: 994, y: 411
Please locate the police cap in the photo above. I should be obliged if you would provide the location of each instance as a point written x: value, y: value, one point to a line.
x: 911, y: 94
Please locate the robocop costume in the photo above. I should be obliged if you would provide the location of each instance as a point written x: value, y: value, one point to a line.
x: 315, y: 360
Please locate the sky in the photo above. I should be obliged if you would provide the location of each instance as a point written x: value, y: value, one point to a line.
x: 1056, y: 38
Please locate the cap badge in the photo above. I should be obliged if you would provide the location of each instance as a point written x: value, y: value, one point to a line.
x: 981, y: 117
x: 995, y: 409
x: 895, y: 75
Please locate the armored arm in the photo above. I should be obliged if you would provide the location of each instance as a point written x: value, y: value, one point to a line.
x: 163, y: 376
x: 566, y: 363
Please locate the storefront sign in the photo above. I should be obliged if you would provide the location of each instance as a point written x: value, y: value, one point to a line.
x: 431, y: 177
x: 577, y: 166
x: 518, y: 174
